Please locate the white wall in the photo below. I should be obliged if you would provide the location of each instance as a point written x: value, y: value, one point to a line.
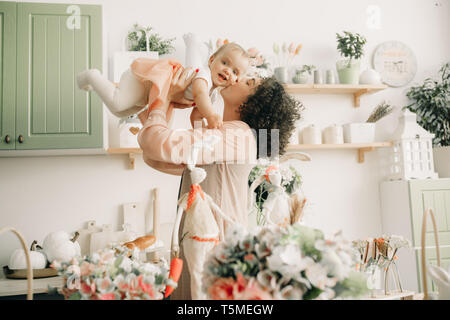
x: 43, y: 194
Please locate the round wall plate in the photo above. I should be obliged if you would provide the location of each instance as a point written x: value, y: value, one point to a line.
x: 395, y: 62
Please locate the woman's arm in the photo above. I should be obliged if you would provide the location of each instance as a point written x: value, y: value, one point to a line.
x: 161, y: 144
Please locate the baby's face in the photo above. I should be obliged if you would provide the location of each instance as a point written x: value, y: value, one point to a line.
x: 227, y: 67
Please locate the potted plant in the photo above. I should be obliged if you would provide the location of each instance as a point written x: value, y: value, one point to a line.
x: 301, y: 74
x: 350, y: 45
x: 141, y: 43
x: 431, y: 104
x: 365, y: 131
x: 140, y: 39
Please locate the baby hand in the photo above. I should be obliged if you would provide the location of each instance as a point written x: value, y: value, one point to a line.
x: 214, y: 121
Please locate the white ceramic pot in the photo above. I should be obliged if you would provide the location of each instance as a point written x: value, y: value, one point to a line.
x: 311, y: 135
x: 128, y: 131
x: 441, y: 157
x: 333, y: 134
x: 359, y: 132
x: 370, y: 76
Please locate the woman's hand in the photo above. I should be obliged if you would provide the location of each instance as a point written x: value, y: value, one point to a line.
x: 180, y: 82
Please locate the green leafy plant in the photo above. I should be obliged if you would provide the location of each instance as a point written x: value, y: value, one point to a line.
x: 382, y: 110
x: 431, y: 104
x: 305, y: 68
x: 138, y: 37
x: 350, y: 45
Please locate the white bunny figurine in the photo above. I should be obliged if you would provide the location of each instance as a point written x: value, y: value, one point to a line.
x: 200, y: 231
x: 442, y: 279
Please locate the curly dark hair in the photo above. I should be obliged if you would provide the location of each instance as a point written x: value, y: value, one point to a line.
x: 271, y: 107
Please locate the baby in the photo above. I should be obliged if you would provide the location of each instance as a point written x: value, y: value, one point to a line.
x: 148, y: 81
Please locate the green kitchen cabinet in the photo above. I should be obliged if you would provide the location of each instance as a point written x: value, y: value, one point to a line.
x: 7, y: 75
x: 403, y: 204
x: 54, y: 42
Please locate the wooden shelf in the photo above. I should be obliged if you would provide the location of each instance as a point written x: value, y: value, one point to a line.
x: 356, y: 90
x: 361, y: 147
x: 130, y: 151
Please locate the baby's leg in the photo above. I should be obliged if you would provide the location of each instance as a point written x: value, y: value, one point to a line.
x: 126, y: 99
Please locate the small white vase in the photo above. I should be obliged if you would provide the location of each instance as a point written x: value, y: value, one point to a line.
x: 311, y: 135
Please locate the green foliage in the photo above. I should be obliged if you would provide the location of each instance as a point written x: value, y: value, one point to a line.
x: 354, y: 285
x: 305, y: 68
x: 431, y: 104
x: 137, y: 41
x: 382, y: 110
x: 351, y: 45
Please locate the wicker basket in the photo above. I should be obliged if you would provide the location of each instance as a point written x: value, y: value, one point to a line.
x: 27, y: 255
x: 423, y: 260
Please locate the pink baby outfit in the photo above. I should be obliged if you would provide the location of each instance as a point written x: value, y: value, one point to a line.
x: 157, y: 71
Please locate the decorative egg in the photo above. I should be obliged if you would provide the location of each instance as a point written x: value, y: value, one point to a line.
x: 370, y: 76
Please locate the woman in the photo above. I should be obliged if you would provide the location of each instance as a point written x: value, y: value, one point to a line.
x: 252, y: 107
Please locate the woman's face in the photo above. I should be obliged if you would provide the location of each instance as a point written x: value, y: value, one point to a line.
x: 235, y: 95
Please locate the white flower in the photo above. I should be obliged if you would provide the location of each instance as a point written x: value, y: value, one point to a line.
x: 126, y: 264
x: 288, y: 260
x: 267, y: 279
x: 235, y: 234
x: 289, y: 293
x: 74, y: 269
x: 317, y: 275
x: 396, y: 242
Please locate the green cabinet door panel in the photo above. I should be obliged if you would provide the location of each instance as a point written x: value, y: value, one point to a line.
x: 54, y: 43
x: 433, y: 194
x: 7, y: 74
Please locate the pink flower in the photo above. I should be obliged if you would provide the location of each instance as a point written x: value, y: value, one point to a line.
x: 86, y: 268
x: 107, y: 296
x: 239, y: 289
x: 222, y: 289
x: 87, y: 289
x: 145, y: 287
x: 253, y: 291
x: 249, y: 257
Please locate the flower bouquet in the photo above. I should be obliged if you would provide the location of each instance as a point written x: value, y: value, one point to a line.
x: 380, y: 253
x: 291, y: 182
x: 110, y: 274
x: 296, y: 263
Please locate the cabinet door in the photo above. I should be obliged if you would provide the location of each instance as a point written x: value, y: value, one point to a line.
x: 7, y: 74
x: 54, y: 43
x: 433, y: 194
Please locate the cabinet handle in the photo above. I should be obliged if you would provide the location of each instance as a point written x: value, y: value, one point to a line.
x: 20, y: 139
x: 7, y: 139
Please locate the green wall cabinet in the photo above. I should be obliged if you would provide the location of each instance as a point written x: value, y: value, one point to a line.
x: 402, y: 205
x: 44, y: 47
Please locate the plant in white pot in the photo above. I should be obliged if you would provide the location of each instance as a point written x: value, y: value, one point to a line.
x: 351, y: 47
x: 431, y: 104
x: 141, y: 43
x: 301, y: 74
x: 365, y: 131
